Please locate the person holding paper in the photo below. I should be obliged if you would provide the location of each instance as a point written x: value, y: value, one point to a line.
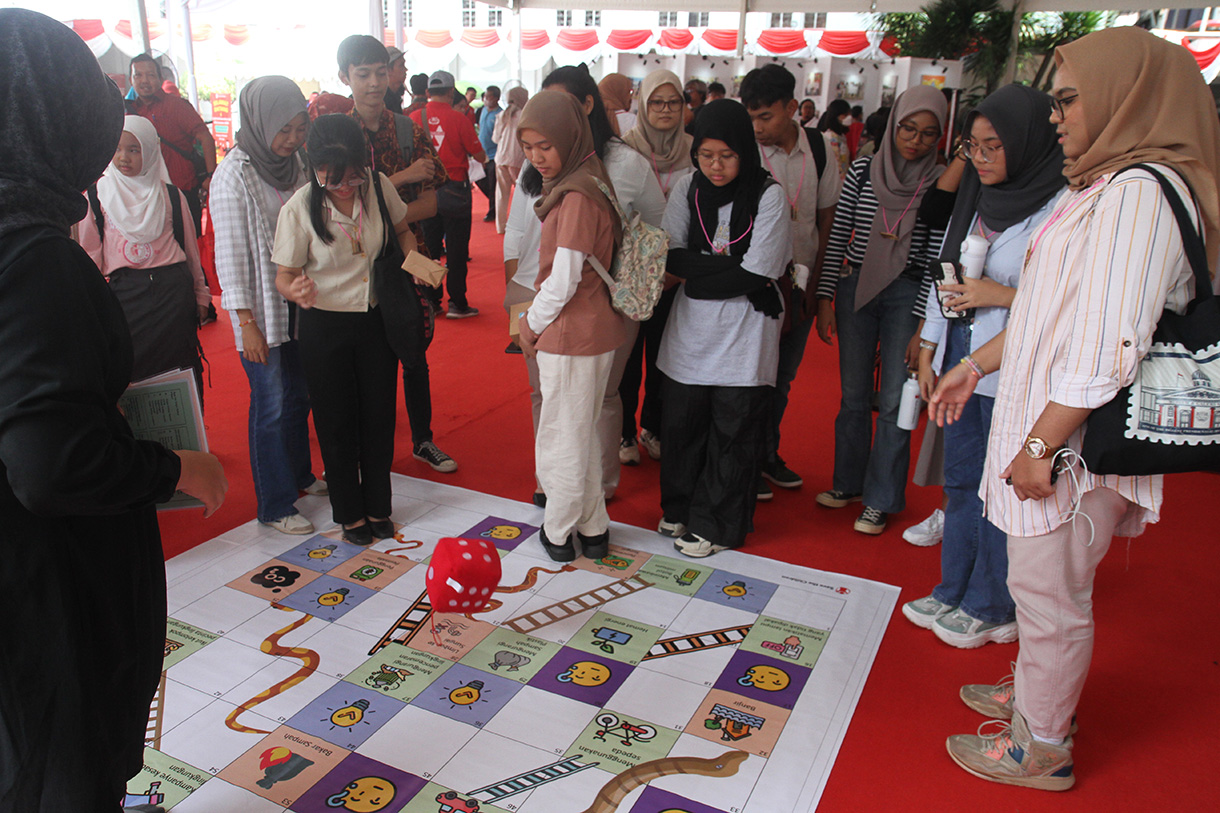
x: 247, y: 193
x: 83, y: 574
x: 327, y: 239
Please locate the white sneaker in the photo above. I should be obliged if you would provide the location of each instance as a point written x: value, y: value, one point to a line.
x: 671, y: 529
x: 923, y: 612
x: 927, y: 533
x: 651, y: 444
x: 696, y: 546
x: 628, y: 454
x: 294, y: 524
x: 318, y: 488
x: 964, y: 631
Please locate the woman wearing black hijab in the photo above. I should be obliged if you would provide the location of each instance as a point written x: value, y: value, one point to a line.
x: 83, y: 636
x: 729, y: 242
x: 1012, y: 180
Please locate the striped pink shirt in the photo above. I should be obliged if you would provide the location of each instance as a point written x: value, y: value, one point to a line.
x: 1097, y: 276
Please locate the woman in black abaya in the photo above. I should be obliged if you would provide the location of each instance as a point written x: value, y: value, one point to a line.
x: 83, y: 630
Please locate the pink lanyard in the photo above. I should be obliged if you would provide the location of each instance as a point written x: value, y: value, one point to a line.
x: 889, y: 232
x: 792, y: 202
x: 1051, y: 221
x: 657, y: 171
x: 357, y: 248
x: 725, y: 248
x: 986, y: 233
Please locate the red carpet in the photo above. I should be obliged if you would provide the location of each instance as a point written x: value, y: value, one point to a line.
x: 1146, y: 740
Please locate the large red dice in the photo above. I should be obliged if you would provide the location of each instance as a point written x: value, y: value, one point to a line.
x: 462, y: 575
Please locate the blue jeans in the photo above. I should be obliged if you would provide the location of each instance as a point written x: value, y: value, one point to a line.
x: 873, y: 466
x: 279, y: 431
x: 974, y: 553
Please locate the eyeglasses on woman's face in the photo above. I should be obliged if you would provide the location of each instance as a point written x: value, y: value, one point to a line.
x: 909, y: 132
x: 665, y: 104
x: 1060, y: 105
x: 709, y: 158
x: 987, y: 155
x: 350, y: 179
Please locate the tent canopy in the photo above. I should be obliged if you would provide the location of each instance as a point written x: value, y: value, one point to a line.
x: 857, y: 6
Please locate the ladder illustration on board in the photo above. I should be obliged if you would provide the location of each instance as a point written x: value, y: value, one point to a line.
x: 152, y: 734
x: 697, y: 641
x: 525, y: 624
x: 531, y: 779
x: 409, y: 623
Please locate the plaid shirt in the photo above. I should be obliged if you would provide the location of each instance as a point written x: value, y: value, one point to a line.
x: 388, y: 159
x: 244, y: 211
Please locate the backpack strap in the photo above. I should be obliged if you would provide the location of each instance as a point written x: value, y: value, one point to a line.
x: 818, y: 145
x: 175, y: 203
x: 1192, y: 243
x: 404, y: 128
x: 96, y: 206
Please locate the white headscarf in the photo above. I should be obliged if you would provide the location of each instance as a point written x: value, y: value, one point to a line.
x: 136, y: 205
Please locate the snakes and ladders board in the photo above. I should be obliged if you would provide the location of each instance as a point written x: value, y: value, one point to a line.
x: 309, y: 675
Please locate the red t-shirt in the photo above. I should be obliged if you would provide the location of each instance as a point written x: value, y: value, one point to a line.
x: 176, y: 122
x: 453, y: 137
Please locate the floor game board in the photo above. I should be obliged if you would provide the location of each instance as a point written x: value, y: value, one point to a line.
x: 309, y: 675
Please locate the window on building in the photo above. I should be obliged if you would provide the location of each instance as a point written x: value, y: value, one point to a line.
x: 468, y: 14
x: 593, y: 18
x: 815, y: 20
x: 668, y: 19
x: 697, y: 19
x: 495, y: 18
x: 781, y: 20
x: 563, y: 18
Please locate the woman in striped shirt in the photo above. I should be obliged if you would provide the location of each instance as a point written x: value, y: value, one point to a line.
x: 1098, y: 274
x: 878, y: 300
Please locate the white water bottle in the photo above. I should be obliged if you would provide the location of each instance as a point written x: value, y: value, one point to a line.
x: 908, y: 407
x: 974, y: 255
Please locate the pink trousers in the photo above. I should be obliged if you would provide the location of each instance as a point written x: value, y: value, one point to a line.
x: 1051, y: 581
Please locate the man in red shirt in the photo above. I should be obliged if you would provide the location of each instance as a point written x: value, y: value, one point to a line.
x: 454, y: 138
x: 180, y: 129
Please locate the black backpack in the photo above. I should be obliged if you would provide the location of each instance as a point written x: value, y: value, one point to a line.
x: 818, y: 145
x: 175, y: 203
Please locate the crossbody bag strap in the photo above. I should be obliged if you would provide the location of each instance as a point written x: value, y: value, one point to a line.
x: 1192, y: 243
x: 95, y: 206
x: 387, y: 225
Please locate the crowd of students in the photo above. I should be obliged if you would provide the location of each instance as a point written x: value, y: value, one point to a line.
x: 772, y: 235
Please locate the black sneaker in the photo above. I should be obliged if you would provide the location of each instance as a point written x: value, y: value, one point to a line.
x: 837, y: 499
x: 558, y: 553
x: 782, y: 476
x: 461, y: 311
x: 513, y: 349
x: 765, y: 494
x: 871, y: 521
x: 434, y: 457
x: 594, y: 547
x: 540, y: 499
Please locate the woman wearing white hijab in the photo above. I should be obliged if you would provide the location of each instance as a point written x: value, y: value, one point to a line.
x: 144, y: 242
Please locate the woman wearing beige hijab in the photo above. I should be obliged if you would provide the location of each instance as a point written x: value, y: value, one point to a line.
x: 570, y: 327
x: 615, y: 90
x: 658, y: 136
x: 1108, y: 261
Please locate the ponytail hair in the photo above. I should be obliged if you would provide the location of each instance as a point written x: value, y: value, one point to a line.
x: 337, y: 143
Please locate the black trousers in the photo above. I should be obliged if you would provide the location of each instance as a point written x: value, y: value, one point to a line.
x: 450, y: 236
x: 714, y: 446
x: 488, y: 186
x: 352, y: 376
x: 647, y: 345
x: 417, y: 393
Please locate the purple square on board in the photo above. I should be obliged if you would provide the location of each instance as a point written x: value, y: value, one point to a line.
x: 346, y: 715
x: 580, y: 676
x: 361, y: 783
x: 737, y: 591
x: 655, y: 800
x: 320, y: 553
x: 328, y: 598
x: 766, y: 680
x: 467, y: 695
x: 505, y: 534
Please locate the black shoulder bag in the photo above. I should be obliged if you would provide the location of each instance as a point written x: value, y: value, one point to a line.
x: 1168, y: 419
x: 401, y: 310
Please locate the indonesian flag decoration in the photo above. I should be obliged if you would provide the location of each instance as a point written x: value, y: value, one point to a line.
x: 783, y: 42
x: 675, y: 41
x: 1206, y: 51
x: 480, y: 47
x: 718, y: 42
x: 462, y: 575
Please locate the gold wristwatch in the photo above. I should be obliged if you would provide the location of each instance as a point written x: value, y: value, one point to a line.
x: 1037, y: 448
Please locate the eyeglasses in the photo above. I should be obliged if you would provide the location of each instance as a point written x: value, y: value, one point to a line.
x: 985, y: 154
x: 711, y: 158
x: 356, y: 181
x: 664, y: 104
x: 909, y: 133
x: 1060, y: 105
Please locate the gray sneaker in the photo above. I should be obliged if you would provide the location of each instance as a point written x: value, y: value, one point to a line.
x: 964, y: 631
x: 923, y: 612
x: 995, y: 700
x: 1012, y: 756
